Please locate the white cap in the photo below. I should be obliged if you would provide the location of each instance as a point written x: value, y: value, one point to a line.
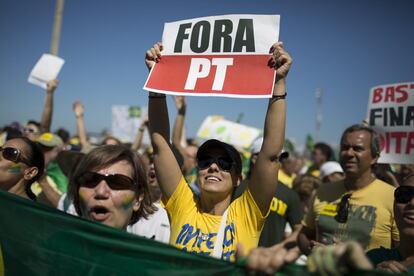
x: 329, y: 168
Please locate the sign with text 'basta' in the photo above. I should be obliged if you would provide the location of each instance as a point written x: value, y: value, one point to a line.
x: 217, y: 56
x: 391, y: 114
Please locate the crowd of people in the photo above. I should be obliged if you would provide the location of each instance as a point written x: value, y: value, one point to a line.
x: 265, y: 204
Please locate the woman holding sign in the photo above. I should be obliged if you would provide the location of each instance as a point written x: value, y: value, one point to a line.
x: 213, y: 224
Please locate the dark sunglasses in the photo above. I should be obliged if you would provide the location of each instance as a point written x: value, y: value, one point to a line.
x: 404, y: 194
x: 342, y: 211
x: 29, y: 130
x: 12, y: 154
x: 114, y: 181
x: 225, y: 164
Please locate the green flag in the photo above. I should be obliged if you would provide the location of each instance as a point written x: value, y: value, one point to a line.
x: 38, y: 240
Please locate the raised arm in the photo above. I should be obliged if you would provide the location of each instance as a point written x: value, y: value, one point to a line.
x: 46, y: 121
x: 79, y: 110
x: 166, y: 167
x: 264, y: 175
x: 181, y: 104
x: 140, y: 134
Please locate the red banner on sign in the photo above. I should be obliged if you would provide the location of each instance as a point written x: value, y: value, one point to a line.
x: 216, y: 75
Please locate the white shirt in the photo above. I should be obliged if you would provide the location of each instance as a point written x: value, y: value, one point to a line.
x: 156, y: 227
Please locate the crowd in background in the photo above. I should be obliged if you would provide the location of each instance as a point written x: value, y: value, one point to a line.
x: 296, y: 206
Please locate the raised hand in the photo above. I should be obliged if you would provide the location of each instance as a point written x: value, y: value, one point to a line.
x: 52, y: 85
x: 180, y: 102
x: 280, y: 60
x: 153, y: 55
x: 78, y: 109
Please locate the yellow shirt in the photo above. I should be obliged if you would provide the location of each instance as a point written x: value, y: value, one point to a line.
x: 370, y: 217
x: 286, y: 179
x: 195, y: 231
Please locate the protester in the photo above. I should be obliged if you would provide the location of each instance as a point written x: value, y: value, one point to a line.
x: 196, y: 222
x: 21, y: 164
x: 54, y: 183
x: 321, y: 153
x: 357, y: 208
x: 345, y: 258
x: 305, y: 186
x: 110, y: 186
x: 34, y: 129
x: 187, y: 150
x: 157, y: 225
x: 401, y: 258
x: 331, y: 171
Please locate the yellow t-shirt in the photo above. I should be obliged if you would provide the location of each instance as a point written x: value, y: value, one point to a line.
x: 370, y: 217
x: 195, y: 231
x: 286, y: 179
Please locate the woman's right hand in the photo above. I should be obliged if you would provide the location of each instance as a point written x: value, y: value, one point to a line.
x: 153, y: 55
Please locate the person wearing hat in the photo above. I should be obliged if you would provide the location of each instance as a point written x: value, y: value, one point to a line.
x: 212, y: 224
x: 54, y: 183
x: 331, y: 171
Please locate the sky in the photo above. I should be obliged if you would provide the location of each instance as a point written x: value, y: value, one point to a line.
x: 343, y: 48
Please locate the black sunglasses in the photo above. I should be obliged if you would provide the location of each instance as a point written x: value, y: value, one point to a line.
x: 114, y: 181
x: 12, y: 154
x: 29, y: 130
x: 225, y: 164
x: 404, y: 194
x: 342, y: 209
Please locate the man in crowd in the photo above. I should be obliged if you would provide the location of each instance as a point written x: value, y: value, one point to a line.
x: 357, y: 208
x: 321, y: 153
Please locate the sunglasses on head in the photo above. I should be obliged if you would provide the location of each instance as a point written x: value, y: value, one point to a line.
x: 114, y: 181
x: 12, y: 154
x: 225, y: 164
x: 404, y: 194
x: 342, y: 211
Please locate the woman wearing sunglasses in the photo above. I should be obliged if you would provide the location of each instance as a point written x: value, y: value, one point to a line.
x: 400, y: 259
x: 212, y: 224
x: 110, y: 186
x: 21, y: 164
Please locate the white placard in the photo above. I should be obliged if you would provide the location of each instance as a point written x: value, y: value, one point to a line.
x: 224, y: 56
x: 216, y: 127
x: 126, y: 120
x: 391, y: 114
x: 46, y: 69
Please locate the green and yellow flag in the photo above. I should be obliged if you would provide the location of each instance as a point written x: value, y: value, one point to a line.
x: 38, y: 240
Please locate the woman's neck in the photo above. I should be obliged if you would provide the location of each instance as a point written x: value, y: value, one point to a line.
x: 19, y: 189
x: 214, y: 206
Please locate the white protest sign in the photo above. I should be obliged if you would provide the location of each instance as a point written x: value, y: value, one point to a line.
x: 391, y: 114
x: 216, y: 127
x: 217, y: 56
x: 46, y: 69
x: 126, y: 120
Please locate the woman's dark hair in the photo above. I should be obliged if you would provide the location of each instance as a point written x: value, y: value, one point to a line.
x: 105, y: 156
x: 34, y: 158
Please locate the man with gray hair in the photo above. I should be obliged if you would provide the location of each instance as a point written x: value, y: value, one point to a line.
x: 356, y: 208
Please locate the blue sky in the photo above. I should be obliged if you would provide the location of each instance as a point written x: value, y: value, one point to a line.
x: 342, y: 47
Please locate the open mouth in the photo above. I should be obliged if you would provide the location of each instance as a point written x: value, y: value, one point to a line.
x: 99, y: 213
